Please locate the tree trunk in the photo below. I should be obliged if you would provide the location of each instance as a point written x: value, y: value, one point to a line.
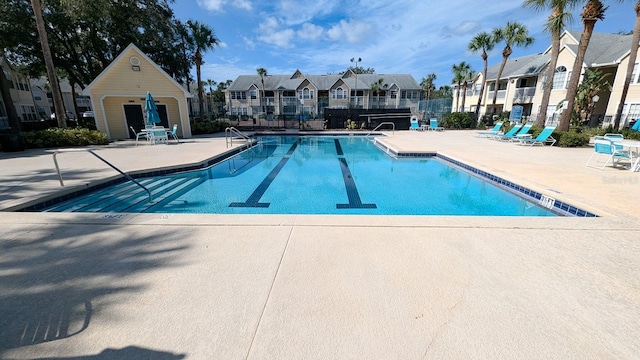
x: 565, y: 120
x: 58, y: 104
x: 548, y: 85
x: 484, y: 79
x: 458, y: 97
x: 464, y: 94
x: 495, y: 91
x: 200, y: 97
x: 632, y: 60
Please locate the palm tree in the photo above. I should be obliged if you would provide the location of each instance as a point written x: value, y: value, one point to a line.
x: 632, y: 60
x: 459, y: 73
x: 204, y: 39
x: 593, y: 82
x: 482, y: 42
x: 211, y: 84
x: 556, y: 22
x: 58, y: 104
x: 513, y: 34
x: 427, y: 84
x: 468, y: 76
x: 592, y: 12
x: 262, y: 72
x: 376, y: 87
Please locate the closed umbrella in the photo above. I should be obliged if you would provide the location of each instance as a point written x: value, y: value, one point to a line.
x: 151, y: 109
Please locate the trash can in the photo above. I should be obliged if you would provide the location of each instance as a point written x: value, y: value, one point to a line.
x: 10, y: 141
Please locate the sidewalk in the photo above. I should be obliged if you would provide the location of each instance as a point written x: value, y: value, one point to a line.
x: 172, y: 286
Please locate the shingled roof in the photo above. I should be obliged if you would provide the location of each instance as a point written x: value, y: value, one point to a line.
x: 323, y: 82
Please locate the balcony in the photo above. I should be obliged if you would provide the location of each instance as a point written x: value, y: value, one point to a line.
x: 524, y: 95
x: 501, y: 94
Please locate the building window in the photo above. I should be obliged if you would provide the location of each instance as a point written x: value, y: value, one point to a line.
x: 629, y: 112
x: 410, y: 95
x: 560, y: 78
x: 393, y: 93
x: 253, y: 94
x: 238, y: 95
x: 634, y: 74
x: 28, y: 113
x: 305, y: 94
x: 339, y: 93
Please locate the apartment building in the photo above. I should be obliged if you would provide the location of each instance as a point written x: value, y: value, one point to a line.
x: 523, y: 78
x: 308, y: 95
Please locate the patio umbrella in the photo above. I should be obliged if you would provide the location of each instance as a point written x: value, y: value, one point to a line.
x: 636, y: 126
x: 151, y: 109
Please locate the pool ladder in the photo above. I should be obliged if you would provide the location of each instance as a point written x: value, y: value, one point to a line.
x: 229, y: 134
x: 90, y: 151
x: 393, y: 125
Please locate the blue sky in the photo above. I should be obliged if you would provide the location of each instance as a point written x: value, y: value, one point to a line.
x: 401, y: 36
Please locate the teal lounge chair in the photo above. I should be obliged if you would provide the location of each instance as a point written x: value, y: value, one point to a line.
x: 414, y: 125
x: 433, y: 125
x: 509, y: 134
x: 602, y: 146
x: 543, y: 138
x: 492, y: 132
x: 524, y: 132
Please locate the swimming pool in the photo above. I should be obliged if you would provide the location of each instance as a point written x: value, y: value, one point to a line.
x: 318, y: 175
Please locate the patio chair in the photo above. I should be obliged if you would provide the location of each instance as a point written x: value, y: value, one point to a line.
x: 173, y: 132
x: 139, y: 135
x: 605, y: 147
x: 492, y: 132
x: 433, y: 125
x: 414, y: 125
x: 509, y: 134
x: 543, y: 138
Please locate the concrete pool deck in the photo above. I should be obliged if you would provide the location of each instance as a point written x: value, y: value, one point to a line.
x: 171, y: 286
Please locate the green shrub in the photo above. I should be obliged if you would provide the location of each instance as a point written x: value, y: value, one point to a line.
x: 208, y: 126
x: 571, y: 138
x: 56, y: 137
x: 457, y: 120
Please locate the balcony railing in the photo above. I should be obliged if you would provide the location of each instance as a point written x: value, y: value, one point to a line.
x: 501, y: 94
x: 525, y: 93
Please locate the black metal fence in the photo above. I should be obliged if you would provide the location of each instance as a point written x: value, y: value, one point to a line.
x: 366, y: 118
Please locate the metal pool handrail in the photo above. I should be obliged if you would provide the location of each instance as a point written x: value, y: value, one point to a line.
x: 383, y: 123
x: 229, y: 137
x: 90, y: 151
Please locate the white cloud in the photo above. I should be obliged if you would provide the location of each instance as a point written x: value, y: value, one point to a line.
x: 218, y: 5
x: 250, y: 43
x: 270, y: 32
x: 310, y: 31
x: 295, y: 12
x: 353, y: 31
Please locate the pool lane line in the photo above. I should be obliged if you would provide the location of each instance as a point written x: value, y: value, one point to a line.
x: 352, y: 190
x: 254, y: 199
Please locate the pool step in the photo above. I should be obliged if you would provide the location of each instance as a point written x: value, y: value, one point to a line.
x: 128, y: 197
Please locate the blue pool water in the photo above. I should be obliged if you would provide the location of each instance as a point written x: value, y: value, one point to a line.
x: 314, y: 175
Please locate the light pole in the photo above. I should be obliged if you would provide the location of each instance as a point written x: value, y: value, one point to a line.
x: 356, y: 72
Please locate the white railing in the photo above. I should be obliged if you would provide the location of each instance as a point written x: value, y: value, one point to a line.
x: 90, y: 151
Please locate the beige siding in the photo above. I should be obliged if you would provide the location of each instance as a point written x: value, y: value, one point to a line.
x: 633, y: 96
x: 122, y: 85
